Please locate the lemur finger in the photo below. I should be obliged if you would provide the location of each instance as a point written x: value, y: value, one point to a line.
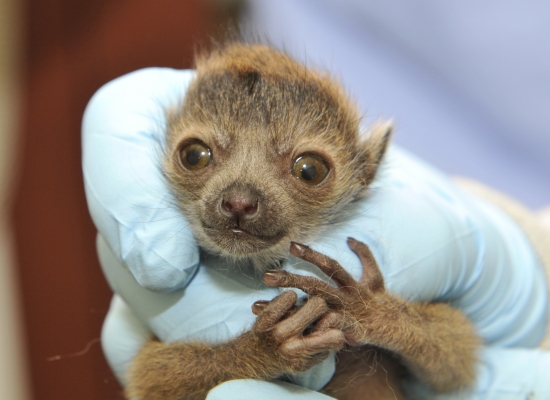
x: 275, y: 310
x: 332, y: 339
x: 259, y: 306
x: 311, y: 286
x: 330, y: 320
x: 372, y: 277
x: 294, y: 325
x: 326, y: 264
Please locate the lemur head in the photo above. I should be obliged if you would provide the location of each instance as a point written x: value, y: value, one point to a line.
x: 265, y: 151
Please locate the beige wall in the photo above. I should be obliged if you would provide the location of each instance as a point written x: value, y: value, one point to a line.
x: 13, y: 379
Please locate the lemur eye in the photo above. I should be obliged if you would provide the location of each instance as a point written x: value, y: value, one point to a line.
x: 310, y: 169
x: 195, y: 156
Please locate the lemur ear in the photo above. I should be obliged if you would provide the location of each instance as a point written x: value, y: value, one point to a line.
x: 376, y: 146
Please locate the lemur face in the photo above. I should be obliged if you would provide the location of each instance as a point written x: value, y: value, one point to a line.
x: 264, y: 152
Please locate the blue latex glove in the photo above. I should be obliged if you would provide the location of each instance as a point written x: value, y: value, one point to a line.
x: 431, y: 240
x: 128, y: 200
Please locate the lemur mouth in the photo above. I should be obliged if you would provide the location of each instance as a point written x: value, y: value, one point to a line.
x: 239, y: 240
x: 241, y: 234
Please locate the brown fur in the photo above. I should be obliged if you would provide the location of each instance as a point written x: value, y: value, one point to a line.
x: 365, y: 373
x: 257, y: 110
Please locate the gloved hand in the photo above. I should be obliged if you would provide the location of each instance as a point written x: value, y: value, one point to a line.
x: 129, y: 202
x: 431, y: 240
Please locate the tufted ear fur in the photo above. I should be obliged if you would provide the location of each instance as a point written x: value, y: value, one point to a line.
x: 376, y: 145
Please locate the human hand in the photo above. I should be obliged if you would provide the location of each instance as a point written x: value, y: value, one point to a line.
x: 131, y: 205
x: 430, y: 241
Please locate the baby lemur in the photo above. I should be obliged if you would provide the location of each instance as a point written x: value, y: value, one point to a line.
x: 265, y: 154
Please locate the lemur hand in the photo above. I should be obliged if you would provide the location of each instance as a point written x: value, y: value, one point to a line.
x: 437, y: 342
x: 294, y: 338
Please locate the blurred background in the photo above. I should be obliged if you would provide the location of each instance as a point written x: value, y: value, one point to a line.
x: 466, y: 82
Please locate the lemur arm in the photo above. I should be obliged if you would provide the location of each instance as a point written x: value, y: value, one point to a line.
x: 276, y: 345
x: 436, y: 342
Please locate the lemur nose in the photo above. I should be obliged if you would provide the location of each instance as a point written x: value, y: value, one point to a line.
x: 239, y: 206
